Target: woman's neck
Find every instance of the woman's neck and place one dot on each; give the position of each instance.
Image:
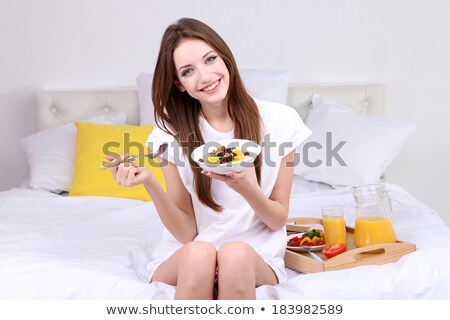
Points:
(218, 118)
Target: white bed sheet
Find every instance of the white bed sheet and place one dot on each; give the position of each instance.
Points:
(300, 186)
(55, 247)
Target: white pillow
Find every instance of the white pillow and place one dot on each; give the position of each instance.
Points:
(271, 85)
(51, 154)
(358, 149)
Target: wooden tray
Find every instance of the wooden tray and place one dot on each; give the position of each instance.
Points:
(376, 254)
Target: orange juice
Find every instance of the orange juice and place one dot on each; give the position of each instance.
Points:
(334, 230)
(372, 230)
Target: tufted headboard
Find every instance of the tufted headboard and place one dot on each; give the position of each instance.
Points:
(365, 99)
(59, 107)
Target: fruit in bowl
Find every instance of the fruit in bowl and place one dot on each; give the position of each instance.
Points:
(223, 155)
(226, 155)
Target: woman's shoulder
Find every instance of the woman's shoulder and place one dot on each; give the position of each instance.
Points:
(159, 134)
(282, 122)
(157, 137)
(273, 111)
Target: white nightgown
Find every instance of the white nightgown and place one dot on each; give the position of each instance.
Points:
(283, 132)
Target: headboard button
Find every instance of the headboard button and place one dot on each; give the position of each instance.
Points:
(53, 110)
(106, 109)
(365, 104)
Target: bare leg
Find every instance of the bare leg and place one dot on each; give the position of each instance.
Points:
(241, 270)
(192, 269)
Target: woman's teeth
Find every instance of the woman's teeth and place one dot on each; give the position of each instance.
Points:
(211, 87)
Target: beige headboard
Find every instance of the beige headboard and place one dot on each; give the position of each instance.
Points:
(365, 99)
(59, 107)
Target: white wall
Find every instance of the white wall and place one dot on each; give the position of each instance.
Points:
(107, 43)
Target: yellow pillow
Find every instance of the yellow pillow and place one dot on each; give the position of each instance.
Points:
(94, 141)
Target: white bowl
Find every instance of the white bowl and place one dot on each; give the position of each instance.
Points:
(202, 152)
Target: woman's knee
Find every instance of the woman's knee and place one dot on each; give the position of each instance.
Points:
(195, 260)
(236, 258)
(198, 255)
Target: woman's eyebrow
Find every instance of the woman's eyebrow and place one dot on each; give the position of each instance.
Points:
(188, 65)
(207, 54)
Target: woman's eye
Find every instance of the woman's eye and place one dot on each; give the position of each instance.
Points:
(211, 58)
(186, 72)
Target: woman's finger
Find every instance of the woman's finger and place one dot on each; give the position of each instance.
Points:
(123, 173)
(114, 161)
(216, 176)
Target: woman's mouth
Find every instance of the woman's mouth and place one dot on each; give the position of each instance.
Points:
(212, 87)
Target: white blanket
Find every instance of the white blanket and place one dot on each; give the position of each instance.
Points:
(55, 247)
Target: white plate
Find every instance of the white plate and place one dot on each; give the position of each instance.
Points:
(244, 145)
(302, 249)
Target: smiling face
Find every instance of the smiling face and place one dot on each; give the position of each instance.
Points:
(201, 72)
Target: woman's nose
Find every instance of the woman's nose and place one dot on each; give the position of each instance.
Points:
(204, 74)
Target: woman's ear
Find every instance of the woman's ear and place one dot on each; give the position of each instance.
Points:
(179, 86)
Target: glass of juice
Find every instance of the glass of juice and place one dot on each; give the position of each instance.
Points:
(334, 224)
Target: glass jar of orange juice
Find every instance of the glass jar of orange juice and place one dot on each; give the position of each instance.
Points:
(373, 216)
(334, 224)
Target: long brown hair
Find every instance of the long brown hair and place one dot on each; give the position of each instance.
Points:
(177, 112)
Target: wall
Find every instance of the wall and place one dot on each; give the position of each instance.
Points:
(106, 43)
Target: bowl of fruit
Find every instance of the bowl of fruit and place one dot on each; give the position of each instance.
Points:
(226, 155)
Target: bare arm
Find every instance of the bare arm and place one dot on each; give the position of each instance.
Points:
(273, 211)
(174, 207)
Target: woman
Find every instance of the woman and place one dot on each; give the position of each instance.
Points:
(228, 230)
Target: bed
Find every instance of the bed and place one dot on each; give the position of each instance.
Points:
(96, 246)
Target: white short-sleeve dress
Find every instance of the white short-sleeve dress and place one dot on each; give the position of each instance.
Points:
(283, 132)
